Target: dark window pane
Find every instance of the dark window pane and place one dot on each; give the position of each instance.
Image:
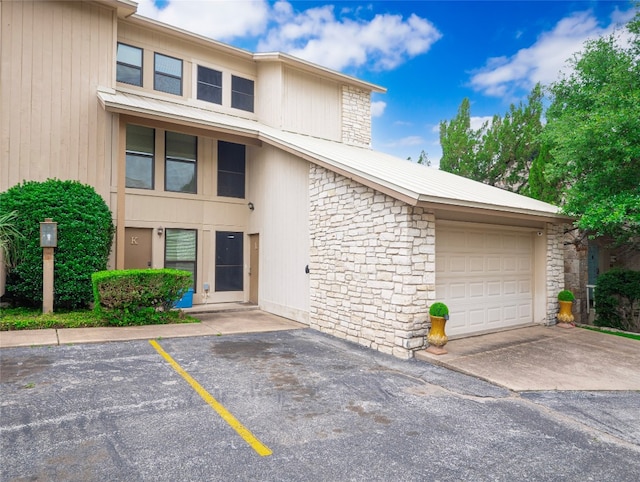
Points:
(168, 74)
(231, 169)
(242, 93)
(129, 75)
(210, 93)
(230, 184)
(242, 101)
(238, 84)
(229, 261)
(209, 76)
(170, 85)
(209, 85)
(229, 278)
(129, 64)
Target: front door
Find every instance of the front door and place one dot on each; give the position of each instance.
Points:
(137, 250)
(229, 261)
(254, 267)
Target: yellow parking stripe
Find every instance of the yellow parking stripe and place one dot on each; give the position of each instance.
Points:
(248, 437)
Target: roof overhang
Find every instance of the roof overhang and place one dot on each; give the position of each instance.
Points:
(403, 180)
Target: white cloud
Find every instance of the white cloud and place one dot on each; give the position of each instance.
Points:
(349, 40)
(477, 122)
(546, 58)
(220, 20)
(377, 108)
(317, 35)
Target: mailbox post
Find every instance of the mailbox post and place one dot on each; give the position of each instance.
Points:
(48, 241)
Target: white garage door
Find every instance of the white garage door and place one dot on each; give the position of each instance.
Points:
(485, 275)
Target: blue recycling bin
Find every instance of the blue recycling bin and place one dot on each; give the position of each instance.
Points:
(186, 301)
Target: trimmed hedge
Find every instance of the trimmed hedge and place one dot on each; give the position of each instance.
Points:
(617, 297)
(85, 233)
(138, 296)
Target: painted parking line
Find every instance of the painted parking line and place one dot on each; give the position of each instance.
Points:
(248, 437)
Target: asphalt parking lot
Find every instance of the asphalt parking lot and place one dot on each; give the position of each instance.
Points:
(293, 405)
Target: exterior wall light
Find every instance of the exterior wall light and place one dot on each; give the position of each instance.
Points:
(251, 206)
(160, 231)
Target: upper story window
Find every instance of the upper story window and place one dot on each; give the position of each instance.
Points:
(180, 163)
(129, 64)
(231, 169)
(167, 74)
(209, 85)
(139, 157)
(242, 93)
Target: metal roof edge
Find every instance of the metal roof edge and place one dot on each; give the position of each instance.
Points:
(307, 66)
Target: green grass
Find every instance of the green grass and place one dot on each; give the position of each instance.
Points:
(33, 319)
(624, 334)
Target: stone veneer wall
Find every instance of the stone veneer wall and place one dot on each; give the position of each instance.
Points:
(555, 269)
(356, 116)
(576, 275)
(372, 265)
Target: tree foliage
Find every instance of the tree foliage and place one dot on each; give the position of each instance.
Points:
(593, 131)
(85, 232)
(501, 152)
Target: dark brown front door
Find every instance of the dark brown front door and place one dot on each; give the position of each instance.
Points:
(137, 249)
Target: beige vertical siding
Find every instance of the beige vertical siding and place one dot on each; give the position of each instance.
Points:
(279, 189)
(54, 56)
(311, 105)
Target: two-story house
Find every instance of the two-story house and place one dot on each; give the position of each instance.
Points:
(254, 172)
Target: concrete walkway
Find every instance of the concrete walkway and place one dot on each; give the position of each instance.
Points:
(222, 319)
(546, 358)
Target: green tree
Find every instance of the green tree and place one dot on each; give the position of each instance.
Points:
(423, 158)
(501, 152)
(85, 232)
(593, 129)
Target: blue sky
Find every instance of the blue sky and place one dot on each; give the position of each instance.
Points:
(428, 54)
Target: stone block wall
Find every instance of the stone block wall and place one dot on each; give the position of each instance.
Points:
(356, 116)
(555, 269)
(372, 265)
(576, 274)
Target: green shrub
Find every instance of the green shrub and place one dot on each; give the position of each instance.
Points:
(566, 295)
(138, 296)
(617, 298)
(439, 309)
(85, 233)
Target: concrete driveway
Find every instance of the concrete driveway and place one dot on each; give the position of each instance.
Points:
(546, 358)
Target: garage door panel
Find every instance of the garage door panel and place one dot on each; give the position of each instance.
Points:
(487, 280)
(476, 290)
(494, 264)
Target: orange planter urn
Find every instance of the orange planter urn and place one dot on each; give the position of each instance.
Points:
(565, 315)
(437, 338)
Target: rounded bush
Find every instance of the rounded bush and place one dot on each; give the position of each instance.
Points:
(439, 309)
(566, 295)
(85, 233)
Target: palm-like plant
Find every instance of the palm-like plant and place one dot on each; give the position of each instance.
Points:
(8, 237)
